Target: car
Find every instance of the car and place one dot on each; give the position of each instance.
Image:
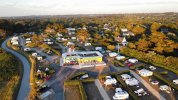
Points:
(155, 82)
(130, 64)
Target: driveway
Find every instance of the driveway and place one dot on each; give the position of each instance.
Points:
(25, 85)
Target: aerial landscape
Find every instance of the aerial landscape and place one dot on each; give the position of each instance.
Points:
(89, 50)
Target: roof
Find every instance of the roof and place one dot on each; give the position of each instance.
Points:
(145, 71)
(131, 81)
(82, 54)
(125, 76)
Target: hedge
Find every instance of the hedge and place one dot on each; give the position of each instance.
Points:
(169, 63)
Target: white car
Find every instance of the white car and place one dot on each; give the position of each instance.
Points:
(110, 81)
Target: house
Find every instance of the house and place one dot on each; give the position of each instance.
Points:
(49, 42)
(71, 31)
(28, 39)
(99, 48)
(119, 57)
(73, 38)
(87, 44)
(110, 81)
(27, 49)
(164, 87)
(120, 94)
(14, 40)
(27, 42)
(132, 82)
(124, 30)
(70, 43)
(125, 76)
(58, 38)
(140, 92)
(81, 58)
(124, 42)
(34, 54)
(133, 60)
(112, 54)
(39, 57)
(175, 81)
(59, 35)
(63, 39)
(15, 43)
(145, 72)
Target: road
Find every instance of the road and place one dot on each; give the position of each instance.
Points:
(101, 90)
(25, 85)
(152, 90)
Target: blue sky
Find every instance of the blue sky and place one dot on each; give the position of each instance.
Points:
(62, 7)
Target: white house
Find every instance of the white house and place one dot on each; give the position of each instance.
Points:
(145, 72)
(140, 92)
(175, 81)
(110, 81)
(28, 41)
(119, 57)
(132, 82)
(133, 60)
(125, 76)
(112, 54)
(34, 54)
(39, 57)
(59, 35)
(73, 38)
(15, 43)
(70, 43)
(87, 44)
(98, 48)
(120, 94)
(27, 49)
(124, 42)
(164, 87)
(124, 30)
(49, 42)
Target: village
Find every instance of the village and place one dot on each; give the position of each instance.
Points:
(69, 69)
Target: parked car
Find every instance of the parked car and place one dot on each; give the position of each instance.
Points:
(152, 68)
(130, 64)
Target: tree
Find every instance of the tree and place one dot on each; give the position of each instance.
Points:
(111, 47)
(155, 26)
(138, 30)
(82, 35)
(143, 44)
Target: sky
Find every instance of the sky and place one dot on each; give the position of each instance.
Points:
(67, 7)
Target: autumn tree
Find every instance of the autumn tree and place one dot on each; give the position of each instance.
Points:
(82, 35)
(155, 26)
(138, 30)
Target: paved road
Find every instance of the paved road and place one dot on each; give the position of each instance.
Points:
(152, 90)
(101, 90)
(25, 86)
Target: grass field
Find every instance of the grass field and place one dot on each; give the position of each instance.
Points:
(72, 93)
